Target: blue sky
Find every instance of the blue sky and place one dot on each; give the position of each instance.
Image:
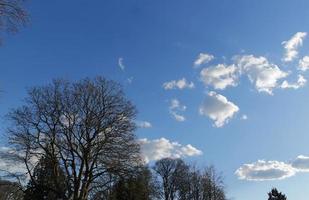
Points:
(196, 111)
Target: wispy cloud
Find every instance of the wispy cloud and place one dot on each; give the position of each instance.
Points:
(218, 108)
(157, 149)
(174, 109)
(244, 117)
(203, 58)
(301, 81)
(178, 84)
(121, 64)
(143, 124)
(291, 46)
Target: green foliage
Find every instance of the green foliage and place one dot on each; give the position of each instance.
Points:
(48, 181)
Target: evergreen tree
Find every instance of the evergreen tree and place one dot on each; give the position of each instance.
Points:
(274, 194)
(47, 182)
(140, 186)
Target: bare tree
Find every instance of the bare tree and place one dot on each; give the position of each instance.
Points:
(172, 173)
(12, 15)
(87, 125)
(212, 185)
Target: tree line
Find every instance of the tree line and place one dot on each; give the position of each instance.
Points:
(77, 141)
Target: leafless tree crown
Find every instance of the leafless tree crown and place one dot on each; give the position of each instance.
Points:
(87, 125)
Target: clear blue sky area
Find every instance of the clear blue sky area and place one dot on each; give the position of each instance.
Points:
(145, 43)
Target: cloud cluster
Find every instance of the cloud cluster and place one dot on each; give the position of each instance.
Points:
(303, 63)
(157, 149)
(219, 76)
(272, 170)
(263, 74)
(203, 58)
(175, 108)
(301, 81)
(178, 84)
(291, 46)
(218, 108)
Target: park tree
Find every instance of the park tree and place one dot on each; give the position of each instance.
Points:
(10, 190)
(212, 184)
(185, 182)
(172, 173)
(274, 194)
(141, 185)
(48, 181)
(87, 125)
(12, 15)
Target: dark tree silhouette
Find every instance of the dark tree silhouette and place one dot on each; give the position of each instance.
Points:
(274, 194)
(171, 171)
(12, 15)
(141, 186)
(87, 125)
(184, 182)
(10, 190)
(48, 181)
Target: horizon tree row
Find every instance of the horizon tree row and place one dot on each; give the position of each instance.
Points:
(77, 141)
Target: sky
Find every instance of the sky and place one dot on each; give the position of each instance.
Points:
(217, 82)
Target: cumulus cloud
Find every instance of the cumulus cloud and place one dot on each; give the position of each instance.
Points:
(301, 163)
(157, 149)
(143, 124)
(301, 81)
(303, 63)
(273, 170)
(121, 64)
(219, 76)
(265, 170)
(178, 84)
(291, 46)
(203, 58)
(176, 107)
(218, 108)
(261, 72)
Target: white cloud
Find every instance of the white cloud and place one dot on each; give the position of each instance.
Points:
(120, 64)
(144, 124)
(178, 84)
(157, 149)
(301, 163)
(244, 117)
(265, 170)
(263, 74)
(291, 46)
(301, 81)
(176, 107)
(178, 117)
(219, 76)
(218, 108)
(303, 64)
(203, 58)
